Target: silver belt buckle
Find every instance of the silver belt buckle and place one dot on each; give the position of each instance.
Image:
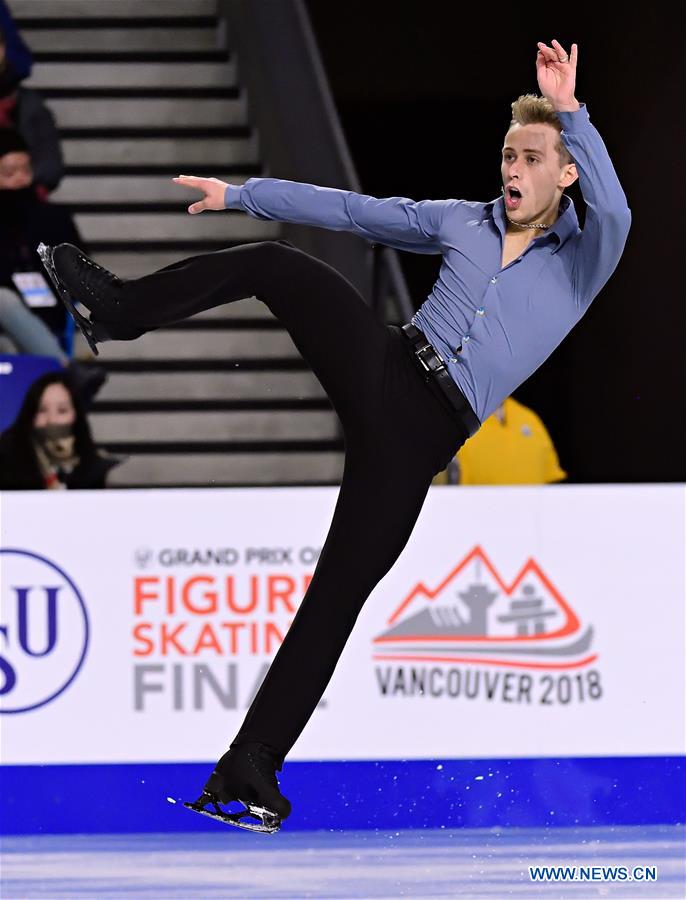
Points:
(427, 364)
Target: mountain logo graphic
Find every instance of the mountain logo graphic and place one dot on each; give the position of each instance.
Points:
(473, 616)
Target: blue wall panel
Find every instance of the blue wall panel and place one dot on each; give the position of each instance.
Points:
(361, 794)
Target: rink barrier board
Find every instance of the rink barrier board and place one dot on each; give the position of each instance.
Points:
(147, 638)
(341, 795)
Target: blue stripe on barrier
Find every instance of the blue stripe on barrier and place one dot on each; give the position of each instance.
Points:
(387, 794)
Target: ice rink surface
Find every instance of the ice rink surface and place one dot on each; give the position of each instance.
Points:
(360, 864)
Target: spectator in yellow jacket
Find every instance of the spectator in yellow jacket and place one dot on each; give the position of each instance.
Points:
(511, 447)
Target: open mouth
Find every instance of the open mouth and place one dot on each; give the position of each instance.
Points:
(513, 197)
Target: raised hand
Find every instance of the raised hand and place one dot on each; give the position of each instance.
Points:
(556, 73)
(212, 188)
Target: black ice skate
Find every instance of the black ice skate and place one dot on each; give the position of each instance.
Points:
(246, 773)
(77, 279)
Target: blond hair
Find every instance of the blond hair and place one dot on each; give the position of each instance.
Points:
(530, 109)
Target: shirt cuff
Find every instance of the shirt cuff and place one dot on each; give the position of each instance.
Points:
(578, 120)
(232, 196)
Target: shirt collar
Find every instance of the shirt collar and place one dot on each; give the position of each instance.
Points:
(567, 222)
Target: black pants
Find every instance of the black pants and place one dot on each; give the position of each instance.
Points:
(399, 431)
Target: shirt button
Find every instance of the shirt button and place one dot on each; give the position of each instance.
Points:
(466, 337)
(480, 311)
(493, 280)
(453, 359)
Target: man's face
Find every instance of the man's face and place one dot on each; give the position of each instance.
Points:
(531, 163)
(15, 171)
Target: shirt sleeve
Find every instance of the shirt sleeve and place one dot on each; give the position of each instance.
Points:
(395, 221)
(608, 217)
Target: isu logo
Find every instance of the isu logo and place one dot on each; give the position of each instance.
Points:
(43, 631)
(474, 617)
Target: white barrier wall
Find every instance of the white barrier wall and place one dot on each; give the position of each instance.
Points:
(523, 621)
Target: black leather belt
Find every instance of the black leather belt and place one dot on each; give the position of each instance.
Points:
(433, 365)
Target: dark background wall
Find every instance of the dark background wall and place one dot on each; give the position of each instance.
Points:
(424, 92)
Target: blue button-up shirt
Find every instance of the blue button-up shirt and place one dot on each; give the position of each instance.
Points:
(493, 326)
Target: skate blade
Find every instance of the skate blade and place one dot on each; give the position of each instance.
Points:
(269, 822)
(85, 325)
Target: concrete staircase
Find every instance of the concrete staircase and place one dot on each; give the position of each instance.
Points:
(143, 90)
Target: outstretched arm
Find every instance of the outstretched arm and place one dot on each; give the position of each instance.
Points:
(608, 217)
(396, 221)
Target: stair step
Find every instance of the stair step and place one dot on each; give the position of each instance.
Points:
(139, 133)
(214, 426)
(149, 113)
(30, 23)
(132, 74)
(142, 57)
(177, 152)
(288, 364)
(211, 385)
(122, 39)
(216, 225)
(181, 345)
(160, 171)
(112, 407)
(122, 189)
(116, 9)
(183, 447)
(196, 469)
(140, 93)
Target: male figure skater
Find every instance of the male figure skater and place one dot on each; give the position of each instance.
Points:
(517, 275)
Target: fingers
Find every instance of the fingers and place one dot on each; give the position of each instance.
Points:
(191, 181)
(549, 55)
(212, 188)
(557, 53)
(560, 51)
(198, 184)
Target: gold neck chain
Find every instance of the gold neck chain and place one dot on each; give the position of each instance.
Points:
(519, 224)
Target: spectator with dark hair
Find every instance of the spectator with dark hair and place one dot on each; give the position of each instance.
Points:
(23, 109)
(25, 221)
(50, 445)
